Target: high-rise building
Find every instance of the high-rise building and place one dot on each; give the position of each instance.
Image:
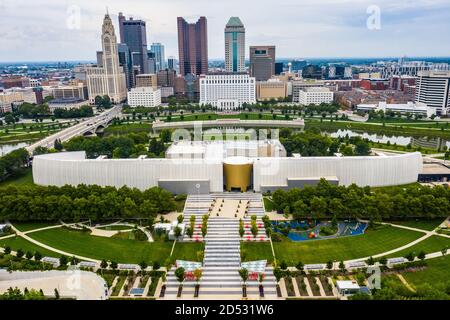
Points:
(227, 91)
(135, 37)
(235, 45)
(151, 62)
(193, 46)
(109, 78)
(279, 68)
(312, 71)
(146, 80)
(172, 63)
(298, 65)
(166, 78)
(433, 89)
(262, 62)
(126, 62)
(160, 58)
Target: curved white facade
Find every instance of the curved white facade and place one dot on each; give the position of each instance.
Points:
(203, 175)
(363, 171)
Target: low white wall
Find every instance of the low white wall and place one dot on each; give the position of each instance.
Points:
(72, 168)
(364, 171)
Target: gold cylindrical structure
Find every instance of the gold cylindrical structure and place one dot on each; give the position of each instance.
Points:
(237, 173)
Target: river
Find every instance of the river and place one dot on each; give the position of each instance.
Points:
(424, 142)
(6, 148)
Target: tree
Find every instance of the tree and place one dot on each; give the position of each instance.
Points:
(198, 273)
(243, 272)
(342, 266)
(421, 255)
(37, 256)
(29, 255)
(104, 264)
(113, 265)
(300, 266)
(143, 265)
(177, 232)
(370, 261)
(383, 261)
(278, 274)
(189, 232)
(19, 253)
(63, 260)
(283, 265)
(180, 274)
(7, 250)
(58, 145)
(156, 265)
(410, 256)
(330, 265)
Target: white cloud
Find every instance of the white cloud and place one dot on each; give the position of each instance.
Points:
(38, 30)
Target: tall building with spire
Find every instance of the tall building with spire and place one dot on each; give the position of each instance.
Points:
(193, 46)
(235, 45)
(108, 78)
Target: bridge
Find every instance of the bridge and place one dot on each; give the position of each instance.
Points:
(87, 127)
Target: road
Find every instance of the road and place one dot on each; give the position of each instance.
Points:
(90, 124)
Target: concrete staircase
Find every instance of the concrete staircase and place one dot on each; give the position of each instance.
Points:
(222, 258)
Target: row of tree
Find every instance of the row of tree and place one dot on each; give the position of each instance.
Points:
(315, 144)
(12, 163)
(82, 112)
(327, 201)
(25, 203)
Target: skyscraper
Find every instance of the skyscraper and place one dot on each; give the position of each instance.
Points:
(262, 62)
(172, 63)
(235, 45)
(433, 89)
(193, 46)
(160, 58)
(135, 37)
(109, 78)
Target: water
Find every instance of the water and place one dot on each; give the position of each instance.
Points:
(423, 142)
(6, 148)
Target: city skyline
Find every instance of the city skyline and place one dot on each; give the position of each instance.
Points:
(337, 29)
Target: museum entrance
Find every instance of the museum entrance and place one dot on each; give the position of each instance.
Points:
(238, 174)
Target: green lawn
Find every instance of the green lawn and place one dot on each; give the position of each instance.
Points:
(119, 250)
(429, 245)
(28, 226)
(383, 239)
(252, 251)
(420, 224)
(436, 273)
(268, 204)
(188, 251)
(123, 129)
(23, 178)
(16, 243)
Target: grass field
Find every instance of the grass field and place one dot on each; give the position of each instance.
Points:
(28, 226)
(268, 204)
(252, 251)
(430, 245)
(119, 250)
(16, 243)
(383, 239)
(436, 273)
(420, 224)
(188, 251)
(24, 178)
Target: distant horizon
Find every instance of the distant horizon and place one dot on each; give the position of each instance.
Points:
(381, 58)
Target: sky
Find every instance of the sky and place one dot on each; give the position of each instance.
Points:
(68, 30)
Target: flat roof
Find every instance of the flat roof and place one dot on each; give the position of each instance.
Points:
(435, 168)
(347, 284)
(237, 160)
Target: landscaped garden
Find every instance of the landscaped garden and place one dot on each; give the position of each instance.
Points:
(113, 249)
(429, 245)
(383, 239)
